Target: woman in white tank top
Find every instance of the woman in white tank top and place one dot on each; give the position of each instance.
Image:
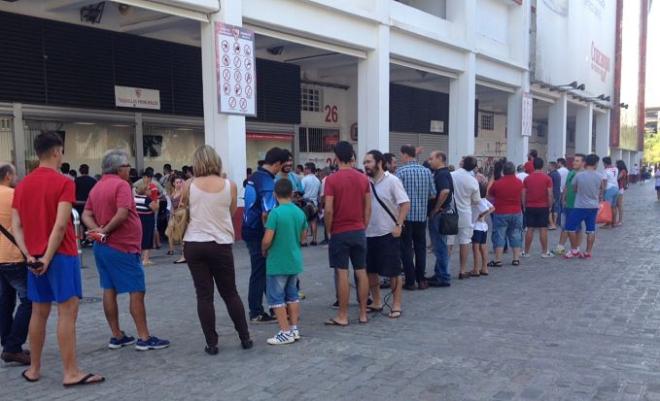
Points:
(208, 245)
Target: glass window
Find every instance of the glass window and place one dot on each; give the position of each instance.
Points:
(311, 99)
(173, 145)
(317, 139)
(487, 121)
(7, 139)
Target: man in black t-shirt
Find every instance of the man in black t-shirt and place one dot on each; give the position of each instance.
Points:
(445, 189)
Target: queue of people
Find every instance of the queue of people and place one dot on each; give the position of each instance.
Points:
(376, 219)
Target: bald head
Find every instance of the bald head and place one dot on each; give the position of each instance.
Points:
(437, 160)
(7, 174)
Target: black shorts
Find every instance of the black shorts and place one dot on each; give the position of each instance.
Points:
(479, 237)
(349, 245)
(384, 255)
(311, 211)
(537, 217)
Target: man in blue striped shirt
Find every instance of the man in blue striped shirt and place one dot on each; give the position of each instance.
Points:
(418, 182)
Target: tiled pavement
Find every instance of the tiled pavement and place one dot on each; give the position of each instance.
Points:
(548, 330)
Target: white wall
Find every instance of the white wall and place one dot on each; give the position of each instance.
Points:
(491, 143)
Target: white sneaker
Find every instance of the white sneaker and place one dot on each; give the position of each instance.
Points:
(547, 255)
(559, 250)
(296, 334)
(282, 338)
(525, 255)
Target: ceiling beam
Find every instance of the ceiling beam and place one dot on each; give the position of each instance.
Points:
(150, 26)
(59, 5)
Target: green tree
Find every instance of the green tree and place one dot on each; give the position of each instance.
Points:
(652, 148)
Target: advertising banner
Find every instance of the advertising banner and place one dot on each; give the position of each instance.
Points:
(527, 113)
(235, 68)
(575, 41)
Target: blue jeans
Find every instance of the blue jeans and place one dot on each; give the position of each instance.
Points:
(14, 327)
(281, 290)
(507, 227)
(257, 287)
(440, 251)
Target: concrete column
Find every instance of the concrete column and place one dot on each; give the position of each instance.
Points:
(603, 134)
(616, 154)
(139, 143)
(226, 133)
(461, 112)
(374, 97)
(517, 145)
(557, 115)
(583, 125)
(18, 133)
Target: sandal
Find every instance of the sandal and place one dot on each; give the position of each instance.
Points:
(29, 380)
(85, 380)
(515, 263)
(394, 314)
(483, 273)
(493, 263)
(475, 274)
(462, 276)
(374, 309)
(333, 322)
(170, 253)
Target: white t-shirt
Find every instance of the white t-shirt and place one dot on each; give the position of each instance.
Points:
(563, 173)
(390, 190)
(311, 188)
(483, 206)
(466, 194)
(657, 178)
(612, 173)
(522, 176)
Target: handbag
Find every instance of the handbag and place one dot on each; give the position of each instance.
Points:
(604, 215)
(10, 237)
(449, 220)
(178, 224)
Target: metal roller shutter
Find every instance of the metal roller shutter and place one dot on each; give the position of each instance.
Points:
(429, 142)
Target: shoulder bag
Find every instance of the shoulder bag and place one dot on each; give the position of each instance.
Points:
(449, 219)
(178, 224)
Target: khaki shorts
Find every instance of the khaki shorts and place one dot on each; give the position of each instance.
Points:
(463, 237)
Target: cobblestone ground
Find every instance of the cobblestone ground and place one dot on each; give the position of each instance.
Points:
(548, 330)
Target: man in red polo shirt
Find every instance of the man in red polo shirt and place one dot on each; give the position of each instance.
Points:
(537, 199)
(529, 166)
(507, 218)
(43, 229)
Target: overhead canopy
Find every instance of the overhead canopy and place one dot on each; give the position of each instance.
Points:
(193, 9)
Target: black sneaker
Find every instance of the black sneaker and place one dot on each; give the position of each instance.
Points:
(313, 243)
(263, 318)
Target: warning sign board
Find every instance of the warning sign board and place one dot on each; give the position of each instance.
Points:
(235, 68)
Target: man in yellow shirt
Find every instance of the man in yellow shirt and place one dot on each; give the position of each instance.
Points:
(13, 280)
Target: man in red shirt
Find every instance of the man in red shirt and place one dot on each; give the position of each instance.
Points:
(44, 232)
(507, 218)
(110, 212)
(347, 213)
(537, 200)
(529, 166)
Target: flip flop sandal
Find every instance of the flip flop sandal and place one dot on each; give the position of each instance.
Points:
(493, 263)
(484, 273)
(85, 381)
(462, 276)
(515, 263)
(475, 274)
(374, 309)
(363, 321)
(333, 322)
(27, 378)
(394, 314)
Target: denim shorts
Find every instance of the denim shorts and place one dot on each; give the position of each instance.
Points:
(119, 271)
(61, 282)
(348, 245)
(611, 195)
(507, 227)
(282, 290)
(577, 216)
(479, 237)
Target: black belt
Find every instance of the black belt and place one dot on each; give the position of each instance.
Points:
(11, 264)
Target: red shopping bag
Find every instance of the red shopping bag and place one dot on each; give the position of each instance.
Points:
(604, 213)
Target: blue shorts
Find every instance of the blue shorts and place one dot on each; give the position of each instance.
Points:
(118, 270)
(611, 194)
(282, 290)
(61, 282)
(479, 237)
(507, 227)
(577, 216)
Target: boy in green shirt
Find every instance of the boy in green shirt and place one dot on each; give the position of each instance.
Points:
(568, 202)
(285, 230)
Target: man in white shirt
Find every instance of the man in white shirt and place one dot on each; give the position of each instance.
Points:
(311, 190)
(466, 195)
(521, 174)
(389, 207)
(563, 172)
(611, 176)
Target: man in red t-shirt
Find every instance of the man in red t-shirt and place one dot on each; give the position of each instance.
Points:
(347, 213)
(110, 211)
(537, 200)
(529, 166)
(44, 232)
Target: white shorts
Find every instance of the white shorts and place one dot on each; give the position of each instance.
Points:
(463, 237)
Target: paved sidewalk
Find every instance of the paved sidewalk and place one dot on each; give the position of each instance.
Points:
(547, 330)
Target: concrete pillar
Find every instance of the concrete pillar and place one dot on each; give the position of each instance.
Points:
(226, 133)
(461, 112)
(557, 116)
(139, 143)
(18, 132)
(517, 145)
(374, 97)
(583, 125)
(603, 134)
(616, 154)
